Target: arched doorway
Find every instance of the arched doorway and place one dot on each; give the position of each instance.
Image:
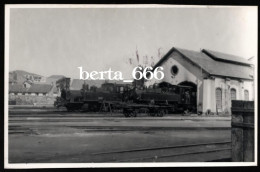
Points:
(246, 95)
(233, 93)
(219, 99)
(193, 98)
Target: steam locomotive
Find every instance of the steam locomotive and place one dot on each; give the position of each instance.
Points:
(162, 98)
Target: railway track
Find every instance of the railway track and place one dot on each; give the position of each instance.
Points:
(109, 139)
(105, 122)
(199, 152)
(16, 129)
(66, 115)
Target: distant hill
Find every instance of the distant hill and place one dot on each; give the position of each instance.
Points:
(56, 76)
(22, 72)
(20, 75)
(53, 78)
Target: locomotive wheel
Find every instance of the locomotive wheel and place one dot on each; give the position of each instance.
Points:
(126, 114)
(151, 114)
(134, 113)
(131, 114)
(69, 109)
(161, 113)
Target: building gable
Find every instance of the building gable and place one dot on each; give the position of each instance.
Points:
(175, 72)
(211, 66)
(40, 88)
(178, 69)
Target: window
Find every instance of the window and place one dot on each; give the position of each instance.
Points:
(219, 98)
(246, 95)
(121, 89)
(233, 93)
(174, 70)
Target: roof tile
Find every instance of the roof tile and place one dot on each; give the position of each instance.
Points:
(213, 67)
(17, 88)
(218, 67)
(40, 88)
(226, 57)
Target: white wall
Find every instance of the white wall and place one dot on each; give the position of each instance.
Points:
(238, 86)
(27, 85)
(206, 92)
(227, 85)
(209, 94)
(183, 74)
(249, 85)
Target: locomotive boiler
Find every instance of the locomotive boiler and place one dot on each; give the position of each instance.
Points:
(170, 98)
(178, 97)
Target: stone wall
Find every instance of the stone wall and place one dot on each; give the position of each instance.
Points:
(31, 100)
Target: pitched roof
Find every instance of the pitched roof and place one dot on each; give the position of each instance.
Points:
(57, 76)
(51, 81)
(212, 66)
(226, 57)
(20, 75)
(22, 72)
(77, 83)
(53, 78)
(55, 90)
(119, 82)
(17, 88)
(40, 88)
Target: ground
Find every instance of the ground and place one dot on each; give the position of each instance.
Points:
(75, 138)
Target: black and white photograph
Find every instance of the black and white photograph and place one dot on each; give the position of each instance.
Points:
(130, 85)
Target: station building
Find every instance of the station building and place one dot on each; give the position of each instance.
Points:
(216, 78)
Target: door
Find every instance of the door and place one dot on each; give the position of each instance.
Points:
(233, 94)
(246, 95)
(219, 99)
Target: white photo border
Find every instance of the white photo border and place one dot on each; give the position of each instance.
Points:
(106, 165)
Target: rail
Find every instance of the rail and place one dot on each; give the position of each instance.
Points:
(215, 151)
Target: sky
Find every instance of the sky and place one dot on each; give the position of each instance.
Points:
(50, 41)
